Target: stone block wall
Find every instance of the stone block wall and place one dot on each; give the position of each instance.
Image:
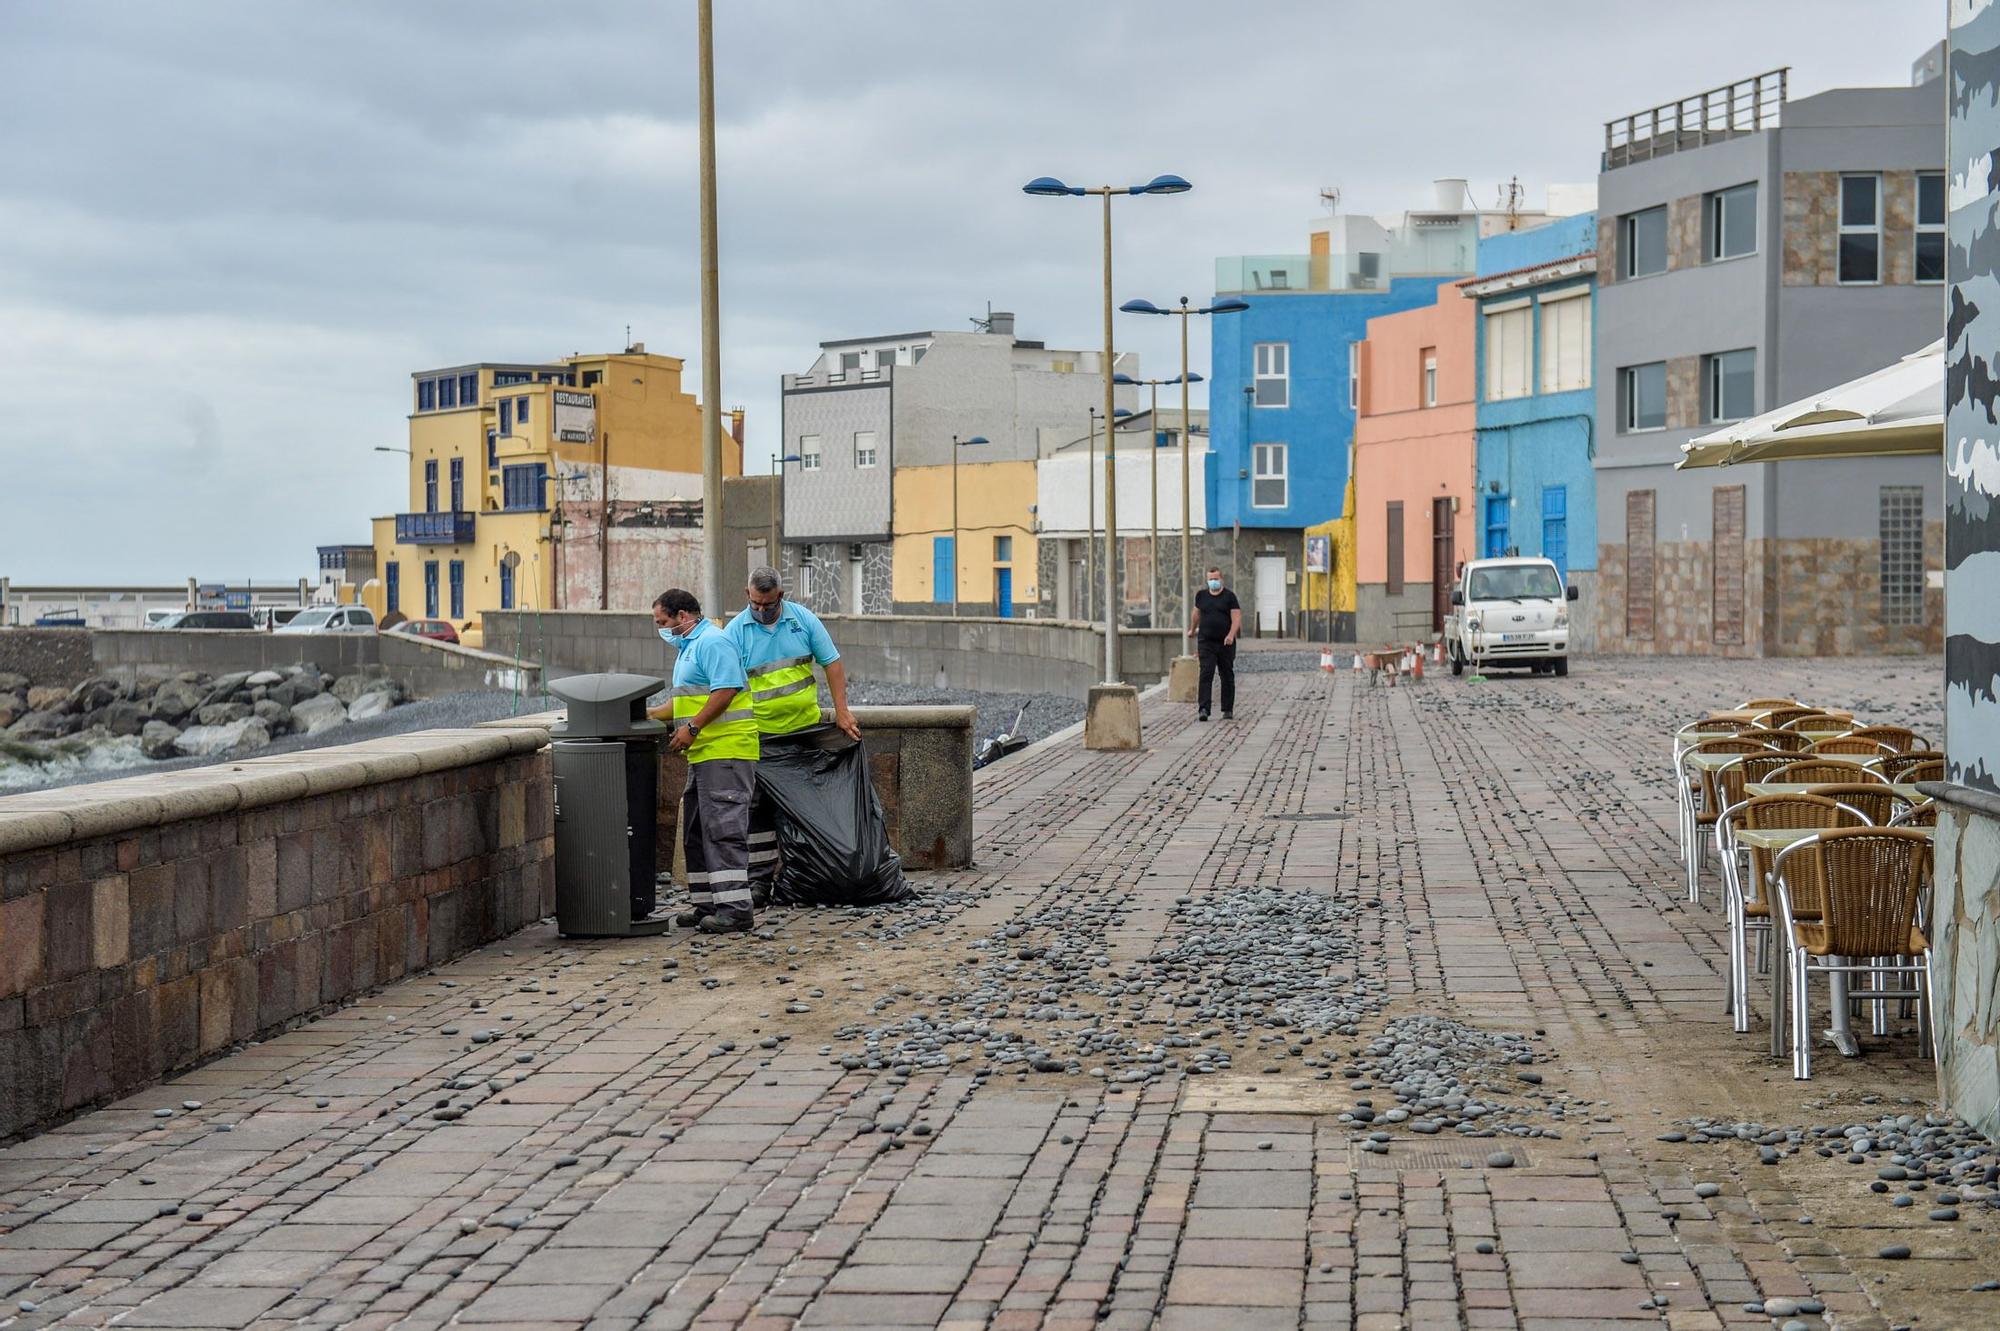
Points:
(1812, 228)
(1801, 597)
(149, 923)
(46, 656)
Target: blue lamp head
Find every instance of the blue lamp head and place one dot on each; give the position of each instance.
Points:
(1141, 307)
(1119, 413)
(1048, 187)
(790, 457)
(1228, 305)
(1192, 377)
(1123, 378)
(1163, 185)
(976, 439)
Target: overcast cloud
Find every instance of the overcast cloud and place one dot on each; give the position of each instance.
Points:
(230, 230)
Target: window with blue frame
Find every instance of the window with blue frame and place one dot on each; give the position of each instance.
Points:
(492, 450)
(458, 485)
(393, 588)
(1496, 526)
(430, 589)
(520, 411)
(1555, 526)
(508, 378)
(506, 585)
(468, 389)
(458, 589)
(426, 395)
(524, 488)
(431, 486)
(447, 392)
(506, 415)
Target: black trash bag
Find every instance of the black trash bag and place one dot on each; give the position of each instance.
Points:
(833, 842)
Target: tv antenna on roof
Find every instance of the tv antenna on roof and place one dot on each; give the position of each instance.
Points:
(1329, 197)
(983, 325)
(1511, 195)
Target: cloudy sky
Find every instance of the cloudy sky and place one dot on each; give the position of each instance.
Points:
(230, 229)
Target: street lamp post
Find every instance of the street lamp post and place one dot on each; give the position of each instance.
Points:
(1226, 305)
(1049, 187)
(1153, 547)
(711, 323)
(956, 444)
(1090, 503)
(777, 505)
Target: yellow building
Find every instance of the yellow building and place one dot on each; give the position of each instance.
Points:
(507, 460)
(993, 555)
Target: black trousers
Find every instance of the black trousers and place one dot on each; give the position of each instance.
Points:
(1217, 658)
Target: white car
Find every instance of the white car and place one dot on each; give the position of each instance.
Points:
(331, 619)
(1509, 612)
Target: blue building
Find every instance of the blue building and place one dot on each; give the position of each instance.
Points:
(1537, 294)
(1282, 386)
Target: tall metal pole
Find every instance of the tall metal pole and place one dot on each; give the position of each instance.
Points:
(1153, 542)
(1187, 441)
(1090, 517)
(777, 487)
(711, 332)
(954, 526)
(1112, 656)
(604, 524)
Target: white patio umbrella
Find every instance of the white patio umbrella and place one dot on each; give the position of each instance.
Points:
(1896, 411)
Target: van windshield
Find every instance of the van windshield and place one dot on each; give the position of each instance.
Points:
(307, 619)
(1528, 582)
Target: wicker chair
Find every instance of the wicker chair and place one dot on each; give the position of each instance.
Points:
(1896, 764)
(1824, 771)
(1852, 746)
(1789, 741)
(1700, 804)
(1872, 881)
(1760, 767)
(1899, 738)
(1919, 815)
(1930, 769)
(1766, 704)
(1784, 718)
(1746, 874)
(1872, 799)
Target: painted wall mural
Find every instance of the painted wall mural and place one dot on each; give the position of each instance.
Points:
(1972, 399)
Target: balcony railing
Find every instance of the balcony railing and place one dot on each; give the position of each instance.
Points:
(1746, 106)
(835, 378)
(447, 528)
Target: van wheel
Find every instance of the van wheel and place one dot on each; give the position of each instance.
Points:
(1562, 666)
(1457, 661)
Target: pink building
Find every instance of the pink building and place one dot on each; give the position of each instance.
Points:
(1415, 456)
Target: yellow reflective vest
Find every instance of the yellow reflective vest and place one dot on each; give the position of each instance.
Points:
(707, 660)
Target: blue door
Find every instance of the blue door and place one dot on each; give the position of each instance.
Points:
(393, 605)
(944, 567)
(506, 585)
(1555, 526)
(430, 589)
(1003, 592)
(1496, 526)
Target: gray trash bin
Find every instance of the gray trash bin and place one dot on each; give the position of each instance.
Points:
(607, 779)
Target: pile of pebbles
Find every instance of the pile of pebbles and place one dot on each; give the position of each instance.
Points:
(1259, 962)
(1913, 1154)
(1445, 1074)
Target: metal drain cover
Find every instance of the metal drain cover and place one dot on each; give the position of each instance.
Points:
(1410, 1155)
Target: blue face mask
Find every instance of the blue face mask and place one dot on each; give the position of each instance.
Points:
(672, 638)
(1215, 584)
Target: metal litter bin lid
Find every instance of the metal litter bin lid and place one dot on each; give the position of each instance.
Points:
(606, 706)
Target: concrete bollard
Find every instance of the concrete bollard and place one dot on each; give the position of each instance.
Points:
(1183, 679)
(1111, 717)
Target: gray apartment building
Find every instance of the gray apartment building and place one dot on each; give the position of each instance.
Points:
(872, 405)
(1752, 250)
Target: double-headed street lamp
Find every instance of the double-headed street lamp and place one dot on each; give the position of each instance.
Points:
(777, 503)
(1050, 187)
(956, 444)
(1226, 305)
(1153, 424)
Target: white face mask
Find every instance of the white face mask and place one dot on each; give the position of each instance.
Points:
(1215, 584)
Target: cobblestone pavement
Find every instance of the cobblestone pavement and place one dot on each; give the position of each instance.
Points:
(671, 1133)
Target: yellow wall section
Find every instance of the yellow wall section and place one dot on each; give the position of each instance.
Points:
(994, 499)
(1313, 591)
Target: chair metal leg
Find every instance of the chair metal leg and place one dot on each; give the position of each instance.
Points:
(1801, 1018)
(1926, 1031)
(1763, 951)
(1878, 1014)
(1781, 962)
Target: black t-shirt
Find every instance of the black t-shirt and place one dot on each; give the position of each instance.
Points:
(1212, 613)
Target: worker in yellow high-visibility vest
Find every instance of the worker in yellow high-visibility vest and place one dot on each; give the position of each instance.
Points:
(714, 726)
(781, 641)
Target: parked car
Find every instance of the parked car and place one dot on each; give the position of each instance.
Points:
(157, 618)
(1509, 612)
(332, 619)
(438, 630)
(210, 619)
(274, 617)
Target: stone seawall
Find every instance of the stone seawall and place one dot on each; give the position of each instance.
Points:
(149, 923)
(46, 656)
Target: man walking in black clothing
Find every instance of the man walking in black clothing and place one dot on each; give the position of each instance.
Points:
(1217, 619)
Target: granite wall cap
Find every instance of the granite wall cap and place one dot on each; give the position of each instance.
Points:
(914, 718)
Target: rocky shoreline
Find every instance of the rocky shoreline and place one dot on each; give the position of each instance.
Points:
(180, 715)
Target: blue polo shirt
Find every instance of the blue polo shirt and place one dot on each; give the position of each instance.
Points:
(798, 632)
(709, 660)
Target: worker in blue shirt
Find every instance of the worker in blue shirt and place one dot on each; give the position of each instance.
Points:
(780, 642)
(715, 727)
